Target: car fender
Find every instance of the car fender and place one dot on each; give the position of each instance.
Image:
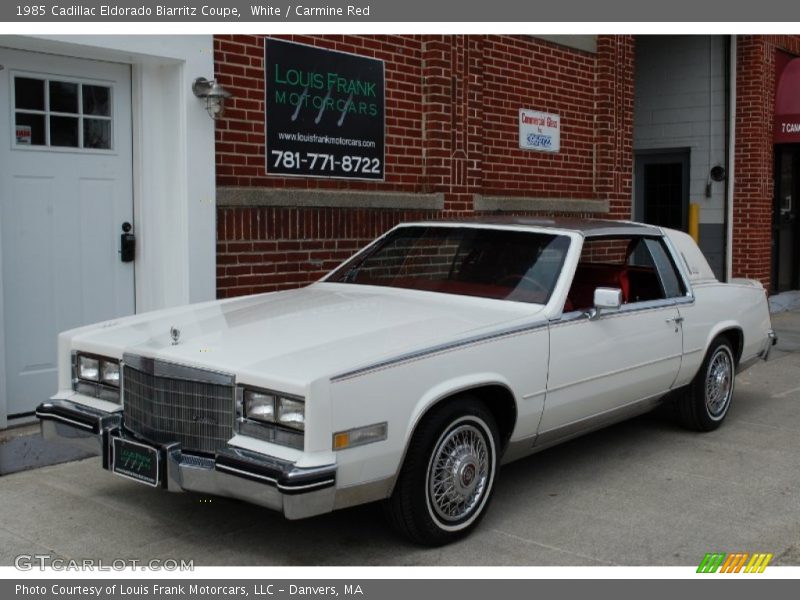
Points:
(443, 391)
(714, 332)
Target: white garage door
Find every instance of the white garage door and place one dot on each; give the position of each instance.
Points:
(65, 193)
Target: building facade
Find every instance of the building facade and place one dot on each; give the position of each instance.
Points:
(105, 138)
(648, 126)
(451, 147)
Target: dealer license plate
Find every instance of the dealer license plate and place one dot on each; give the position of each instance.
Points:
(135, 461)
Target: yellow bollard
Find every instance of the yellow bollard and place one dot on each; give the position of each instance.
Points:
(694, 221)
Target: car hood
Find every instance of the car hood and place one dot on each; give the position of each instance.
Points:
(294, 337)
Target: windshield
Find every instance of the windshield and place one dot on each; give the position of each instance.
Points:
(488, 263)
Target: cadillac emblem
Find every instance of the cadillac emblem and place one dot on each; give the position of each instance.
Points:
(175, 334)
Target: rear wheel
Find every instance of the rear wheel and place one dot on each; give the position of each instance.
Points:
(708, 398)
(448, 476)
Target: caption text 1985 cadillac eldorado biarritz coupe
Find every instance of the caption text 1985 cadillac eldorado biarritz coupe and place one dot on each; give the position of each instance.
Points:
(411, 372)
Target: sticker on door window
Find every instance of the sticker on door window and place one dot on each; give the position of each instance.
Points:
(62, 114)
(23, 135)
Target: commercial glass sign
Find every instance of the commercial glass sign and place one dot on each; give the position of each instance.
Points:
(324, 112)
(539, 131)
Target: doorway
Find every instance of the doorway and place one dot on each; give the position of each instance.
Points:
(661, 194)
(785, 221)
(65, 192)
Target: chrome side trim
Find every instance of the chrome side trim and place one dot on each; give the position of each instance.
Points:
(625, 309)
(362, 493)
(519, 449)
(617, 372)
(439, 349)
(597, 421)
(160, 368)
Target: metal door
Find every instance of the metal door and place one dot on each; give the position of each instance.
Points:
(662, 188)
(785, 224)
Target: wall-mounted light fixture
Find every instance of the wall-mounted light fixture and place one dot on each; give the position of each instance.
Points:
(214, 94)
(717, 173)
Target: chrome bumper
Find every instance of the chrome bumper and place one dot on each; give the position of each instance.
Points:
(232, 472)
(772, 339)
(763, 353)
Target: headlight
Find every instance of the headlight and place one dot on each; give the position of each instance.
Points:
(259, 406)
(96, 376)
(109, 372)
(274, 408)
(291, 413)
(88, 368)
(271, 416)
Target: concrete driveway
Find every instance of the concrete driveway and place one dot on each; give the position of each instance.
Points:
(644, 492)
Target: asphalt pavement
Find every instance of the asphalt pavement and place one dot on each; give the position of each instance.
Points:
(644, 492)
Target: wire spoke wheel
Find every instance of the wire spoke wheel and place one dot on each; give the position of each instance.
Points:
(449, 472)
(707, 399)
(458, 473)
(719, 382)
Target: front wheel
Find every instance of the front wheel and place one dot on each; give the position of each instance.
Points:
(708, 398)
(448, 476)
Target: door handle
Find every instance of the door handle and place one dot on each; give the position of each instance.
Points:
(676, 320)
(127, 243)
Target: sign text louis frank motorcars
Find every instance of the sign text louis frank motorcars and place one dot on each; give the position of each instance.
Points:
(324, 112)
(539, 131)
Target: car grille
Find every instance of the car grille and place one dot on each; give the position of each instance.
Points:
(190, 409)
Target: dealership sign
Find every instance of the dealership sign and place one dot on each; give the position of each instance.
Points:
(324, 112)
(539, 131)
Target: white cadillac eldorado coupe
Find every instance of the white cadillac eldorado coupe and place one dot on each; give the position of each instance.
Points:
(411, 372)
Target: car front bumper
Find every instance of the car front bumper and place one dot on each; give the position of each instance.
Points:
(232, 472)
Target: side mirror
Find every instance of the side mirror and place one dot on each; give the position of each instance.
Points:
(605, 299)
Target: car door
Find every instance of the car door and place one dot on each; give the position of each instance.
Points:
(610, 365)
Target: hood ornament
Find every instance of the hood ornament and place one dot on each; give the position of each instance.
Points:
(175, 334)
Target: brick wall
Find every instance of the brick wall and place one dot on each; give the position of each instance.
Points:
(269, 248)
(451, 130)
(754, 159)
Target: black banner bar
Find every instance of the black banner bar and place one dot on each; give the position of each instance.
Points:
(361, 11)
(730, 588)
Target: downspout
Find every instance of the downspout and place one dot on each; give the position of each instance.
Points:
(731, 162)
